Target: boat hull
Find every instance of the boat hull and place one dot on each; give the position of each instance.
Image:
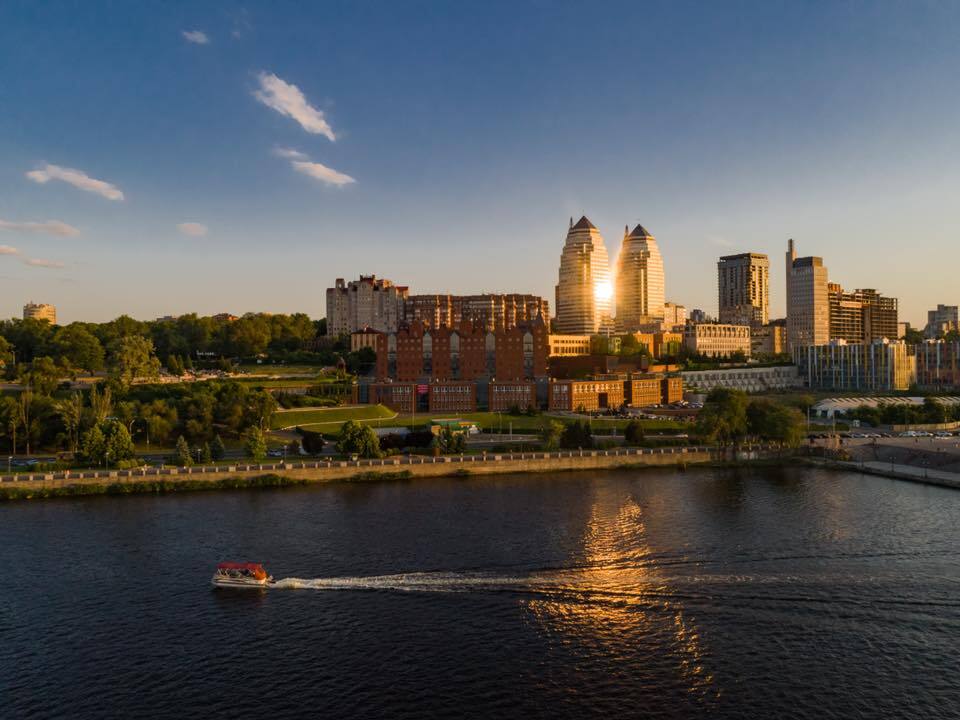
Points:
(240, 583)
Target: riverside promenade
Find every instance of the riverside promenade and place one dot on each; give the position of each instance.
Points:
(414, 465)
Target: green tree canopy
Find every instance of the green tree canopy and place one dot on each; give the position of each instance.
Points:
(357, 439)
(131, 358)
(550, 434)
(723, 418)
(181, 453)
(254, 443)
(79, 347)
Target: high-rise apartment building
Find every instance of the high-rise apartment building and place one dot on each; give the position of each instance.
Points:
(674, 315)
(367, 302)
(640, 281)
(879, 366)
(584, 291)
(808, 306)
(743, 283)
(942, 320)
(40, 311)
(861, 316)
(492, 311)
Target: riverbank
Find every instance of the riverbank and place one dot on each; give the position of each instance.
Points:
(162, 480)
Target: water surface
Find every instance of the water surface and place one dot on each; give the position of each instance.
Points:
(762, 593)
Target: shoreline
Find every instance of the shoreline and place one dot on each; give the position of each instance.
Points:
(161, 481)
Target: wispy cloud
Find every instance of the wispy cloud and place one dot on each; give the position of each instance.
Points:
(7, 250)
(198, 37)
(192, 229)
(720, 241)
(78, 179)
(322, 173)
(287, 99)
(47, 227)
(38, 262)
(289, 153)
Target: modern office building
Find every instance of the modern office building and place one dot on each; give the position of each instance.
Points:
(808, 306)
(938, 364)
(717, 340)
(861, 316)
(743, 284)
(40, 311)
(748, 379)
(584, 291)
(365, 303)
(640, 281)
(492, 311)
(880, 366)
(944, 319)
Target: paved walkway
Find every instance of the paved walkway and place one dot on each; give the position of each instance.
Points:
(908, 472)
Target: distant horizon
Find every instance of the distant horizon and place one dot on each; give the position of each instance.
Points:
(227, 158)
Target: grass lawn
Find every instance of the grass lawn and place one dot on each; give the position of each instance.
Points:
(487, 421)
(334, 416)
(282, 369)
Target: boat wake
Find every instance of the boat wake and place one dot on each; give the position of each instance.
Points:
(408, 582)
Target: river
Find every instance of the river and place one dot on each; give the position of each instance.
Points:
(722, 593)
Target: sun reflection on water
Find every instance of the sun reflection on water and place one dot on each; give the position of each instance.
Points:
(615, 601)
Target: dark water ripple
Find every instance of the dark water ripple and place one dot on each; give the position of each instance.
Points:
(703, 594)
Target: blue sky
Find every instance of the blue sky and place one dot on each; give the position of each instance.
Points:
(463, 138)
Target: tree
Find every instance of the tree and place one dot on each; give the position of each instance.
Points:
(117, 441)
(206, 454)
(577, 435)
(723, 418)
(772, 421)
(71, 414)
(101, 403)
(9, 420)
(934, 411)
(132, 357)
(175, 365)
(218, 450)
(356, 439)
(550, 434)
(79, 346)
(42, 377)
(633, 434)
(182, 453)
(6, 354)
(24, 406)
(254, 443)
(913, 336)
(93, 446)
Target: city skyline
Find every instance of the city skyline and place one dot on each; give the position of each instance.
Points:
(262, 145)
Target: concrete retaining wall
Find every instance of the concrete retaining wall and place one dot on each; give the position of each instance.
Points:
(324, 470)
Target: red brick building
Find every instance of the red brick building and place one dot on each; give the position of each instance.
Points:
(399, 396)
(587, 395)
(672, 389)
(504, 395)
(453, 396)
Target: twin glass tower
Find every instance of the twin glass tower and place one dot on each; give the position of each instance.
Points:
(586, 293)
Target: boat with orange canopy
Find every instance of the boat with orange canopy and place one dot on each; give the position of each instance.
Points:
(241, 575)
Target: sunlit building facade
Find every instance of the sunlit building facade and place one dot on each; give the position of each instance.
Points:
(743, 285)
(808, 304)
(584, 291)
(640, 281)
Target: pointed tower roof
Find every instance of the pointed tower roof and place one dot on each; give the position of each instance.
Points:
(640, 231)
(584, 224)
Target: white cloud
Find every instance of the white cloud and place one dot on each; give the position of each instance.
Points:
(287, 100)
(197, 37)
(289, 153)
(322, 173)
(78, 179)
(7, 250)
(48, 227)
(37, 262)
(192, 229)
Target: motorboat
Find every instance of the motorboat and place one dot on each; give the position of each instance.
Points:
(241, 575)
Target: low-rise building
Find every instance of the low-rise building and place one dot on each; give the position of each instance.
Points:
(717, 339)
(879, 366)
(769, 339)
(585, 395)
(400, 396)
(569, 345)
(505, 395)
(643, 390)
(748, 379)
(453, 396)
